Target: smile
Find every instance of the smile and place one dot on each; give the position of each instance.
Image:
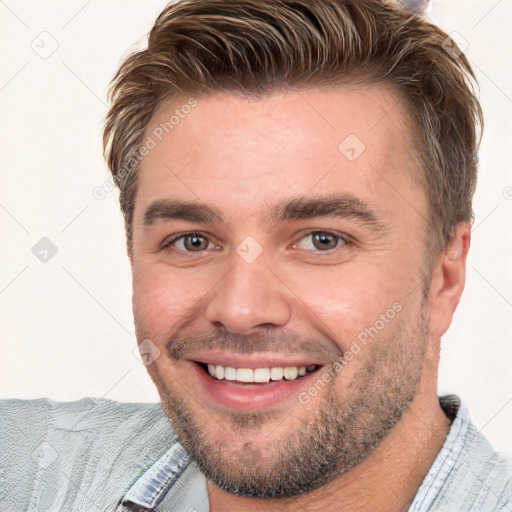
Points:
(258, 375)
(249, 385)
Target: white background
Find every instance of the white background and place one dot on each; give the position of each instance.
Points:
(66, 325)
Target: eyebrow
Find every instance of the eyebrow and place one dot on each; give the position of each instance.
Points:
(185, 210)
(344, 206)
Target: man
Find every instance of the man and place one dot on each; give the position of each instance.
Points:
(296, 180)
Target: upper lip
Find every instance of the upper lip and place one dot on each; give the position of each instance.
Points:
(255, 360)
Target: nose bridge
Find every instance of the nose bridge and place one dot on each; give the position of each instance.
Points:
(249, 295)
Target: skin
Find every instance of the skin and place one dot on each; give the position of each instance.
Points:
(241, 156)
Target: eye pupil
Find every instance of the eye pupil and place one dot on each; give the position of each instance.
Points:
(324, 241)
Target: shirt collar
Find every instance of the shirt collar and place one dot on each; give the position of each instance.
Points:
(151, 487)
(452, 452)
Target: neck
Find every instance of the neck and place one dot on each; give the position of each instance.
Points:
(387, 480)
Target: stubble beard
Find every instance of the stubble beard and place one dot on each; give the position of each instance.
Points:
(344, 428)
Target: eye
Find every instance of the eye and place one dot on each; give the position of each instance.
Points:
(321, 241)
(190, 242)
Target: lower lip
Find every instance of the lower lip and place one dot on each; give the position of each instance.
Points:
(251, 397)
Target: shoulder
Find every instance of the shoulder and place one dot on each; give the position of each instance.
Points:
(45, 406)
(474, 476)
(104, 418)
(98, 421)
(105, 444)
(487, 472)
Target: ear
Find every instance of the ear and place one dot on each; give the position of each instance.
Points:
(447, 281)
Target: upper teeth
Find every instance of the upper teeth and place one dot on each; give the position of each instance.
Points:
(258, 374)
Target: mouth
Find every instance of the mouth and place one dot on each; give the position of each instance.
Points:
(250, 386)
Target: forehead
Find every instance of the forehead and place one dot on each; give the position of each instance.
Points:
(237, 151)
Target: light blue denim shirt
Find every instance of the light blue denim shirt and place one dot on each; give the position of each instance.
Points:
(99, 455)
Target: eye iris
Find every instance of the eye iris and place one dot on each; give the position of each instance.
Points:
(195, 243)
(324, 241)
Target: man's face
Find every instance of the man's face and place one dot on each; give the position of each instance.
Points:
(281, 233)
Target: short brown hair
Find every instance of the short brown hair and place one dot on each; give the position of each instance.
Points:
(256, 47)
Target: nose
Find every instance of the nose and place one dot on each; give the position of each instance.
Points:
(250, 295)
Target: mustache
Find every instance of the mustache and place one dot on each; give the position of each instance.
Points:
(282, 342)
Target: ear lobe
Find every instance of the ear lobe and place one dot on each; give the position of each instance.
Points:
(448, 280)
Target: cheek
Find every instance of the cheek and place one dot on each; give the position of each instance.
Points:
(159, 301)
(348, 299)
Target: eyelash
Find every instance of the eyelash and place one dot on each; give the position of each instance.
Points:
(344, 240)
(169, 243)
